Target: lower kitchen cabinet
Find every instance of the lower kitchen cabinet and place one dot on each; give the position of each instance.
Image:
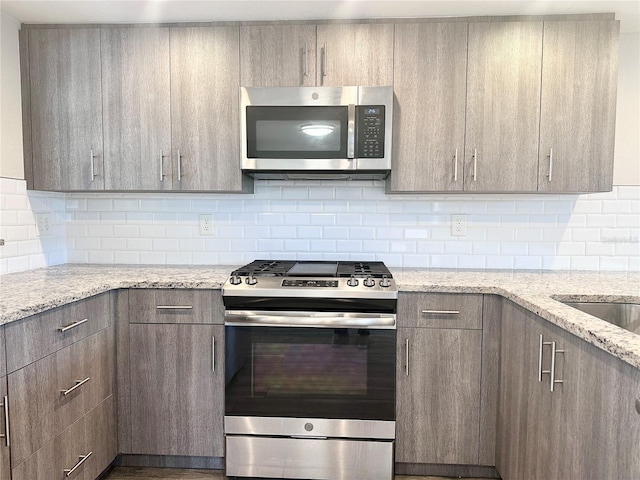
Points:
(177, 389)
(82, 452)
(57, 390)
(438, 379)
(587, 427)
(438, 396)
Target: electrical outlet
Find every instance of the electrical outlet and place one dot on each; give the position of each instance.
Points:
(43, 224)
(458, 225)
(206, 224)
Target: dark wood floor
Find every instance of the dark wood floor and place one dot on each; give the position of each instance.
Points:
(128, 473)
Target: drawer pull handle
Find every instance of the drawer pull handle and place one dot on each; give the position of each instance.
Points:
(5, 435)
(441, 312)
(406, 359)
(78, 384)
(73, 325)
(69, 471)
(174, 307)
(213, 354)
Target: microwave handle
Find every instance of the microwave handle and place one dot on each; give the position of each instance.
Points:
(351, 132)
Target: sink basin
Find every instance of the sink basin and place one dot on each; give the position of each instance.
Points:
(625, 315)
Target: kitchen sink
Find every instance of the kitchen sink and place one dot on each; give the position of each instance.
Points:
(625, 315)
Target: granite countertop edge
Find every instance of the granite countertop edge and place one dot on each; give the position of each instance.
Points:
(36, 291)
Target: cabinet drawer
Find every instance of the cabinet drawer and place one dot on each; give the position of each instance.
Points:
(94, 433)
(175, 306)
(39, 408)
(440, 310)
(36, 337)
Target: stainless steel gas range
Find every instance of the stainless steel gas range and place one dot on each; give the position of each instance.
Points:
(310, 370)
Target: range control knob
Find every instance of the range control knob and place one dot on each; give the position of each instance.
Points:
(369, 282)
(251, 280)
(353, 281)
(235, 280)
(385, 282)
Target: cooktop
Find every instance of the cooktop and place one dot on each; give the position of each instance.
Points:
(292, 268)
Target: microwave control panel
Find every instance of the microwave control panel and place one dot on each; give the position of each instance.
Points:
(370, 138)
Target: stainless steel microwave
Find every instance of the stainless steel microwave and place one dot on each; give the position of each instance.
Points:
(316, 132)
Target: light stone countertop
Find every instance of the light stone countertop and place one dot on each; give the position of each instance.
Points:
(28, 293)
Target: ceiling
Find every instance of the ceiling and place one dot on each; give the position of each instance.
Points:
(150, 11)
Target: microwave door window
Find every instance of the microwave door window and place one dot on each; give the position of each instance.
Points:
(298, 136)
(297, 132)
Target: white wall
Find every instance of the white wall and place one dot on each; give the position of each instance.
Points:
(626, 170)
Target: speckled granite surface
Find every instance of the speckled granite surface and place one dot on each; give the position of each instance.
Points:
(27, 293)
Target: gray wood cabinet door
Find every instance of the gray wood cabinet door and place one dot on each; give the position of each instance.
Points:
(205, 109)
(430, 64)
(137, 108)
(278, 56)
(596, 428)
(177, 389)
(438, 396)
(578, 106)
(524, 402)
(355, 54)
(503, 106)
(66, 109)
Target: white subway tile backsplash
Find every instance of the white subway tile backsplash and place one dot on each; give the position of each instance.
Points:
(326, 220)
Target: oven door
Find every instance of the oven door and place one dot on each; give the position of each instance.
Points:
(341, 369)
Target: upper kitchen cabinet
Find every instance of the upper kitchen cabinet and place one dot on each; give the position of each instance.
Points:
(137, 108)
(578, 106)
(205, 135)
(278, 56)
(503, 106)
(322, 55)
(61, 72)
(429, 119)
(355, 54)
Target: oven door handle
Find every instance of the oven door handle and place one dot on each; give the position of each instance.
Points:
(309, 319)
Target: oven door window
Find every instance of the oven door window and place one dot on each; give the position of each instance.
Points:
(297, 132)
(310, 372)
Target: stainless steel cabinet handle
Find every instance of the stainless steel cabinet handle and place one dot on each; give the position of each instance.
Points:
(475, 164)
(93, 167)
(305, 60)
(554, 352)
(78, 384)
(540, 371)
(213, 354)
(323, 61)
(455, 166)
(441, 312)
(5, 435)
(550, 164)
(406, 358)
(174, 307)
(179, 166)
(5, 400)
(83, 458)
(161, 166)
(72, 325)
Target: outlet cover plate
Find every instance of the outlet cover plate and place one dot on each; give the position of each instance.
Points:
(458, 225)
(43, 224)
(206, 225)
